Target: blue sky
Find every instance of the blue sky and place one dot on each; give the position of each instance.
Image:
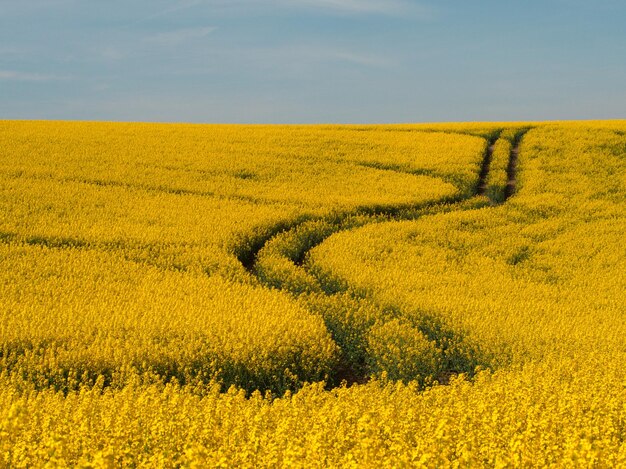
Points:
(305, 61)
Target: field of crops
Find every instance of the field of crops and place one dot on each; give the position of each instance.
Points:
(216, 295)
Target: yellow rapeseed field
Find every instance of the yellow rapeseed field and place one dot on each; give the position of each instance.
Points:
(312, 296)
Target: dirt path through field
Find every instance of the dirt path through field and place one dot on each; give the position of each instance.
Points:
(484, 168)
(248, 257)
(511, 170)
(251, 260)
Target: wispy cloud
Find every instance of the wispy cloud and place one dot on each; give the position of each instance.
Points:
(180, 5)
(306, 58)
(14, 75)
(360, 59)
(352, 6)
(20, 8)
(11, 50)
(381, 7)
(179, 36)
(114, 53)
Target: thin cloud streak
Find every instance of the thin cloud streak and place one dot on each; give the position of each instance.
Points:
(179, 6)
(357, 7)
(13, 75)
(179, 36)
(287, 62)
(351, 6)
(360, 59)
(306, 57)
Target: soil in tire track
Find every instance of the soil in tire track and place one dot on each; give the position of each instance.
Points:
(511, 170)
(345, 371)
(481, 187)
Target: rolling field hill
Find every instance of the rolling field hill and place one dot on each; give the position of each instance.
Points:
(397, 295)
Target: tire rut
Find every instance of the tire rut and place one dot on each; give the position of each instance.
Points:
(481, 187)
(511, 170)
(248, 255)
(347, 372)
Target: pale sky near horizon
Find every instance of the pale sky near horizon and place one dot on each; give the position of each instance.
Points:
(308, 61)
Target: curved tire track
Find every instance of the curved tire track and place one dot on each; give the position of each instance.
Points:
(348, 372)
(248, 257)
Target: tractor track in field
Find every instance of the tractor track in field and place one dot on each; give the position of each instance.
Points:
(511, 170)
(346, 372)
(248, 254)
(248, 257)
(481, 187)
